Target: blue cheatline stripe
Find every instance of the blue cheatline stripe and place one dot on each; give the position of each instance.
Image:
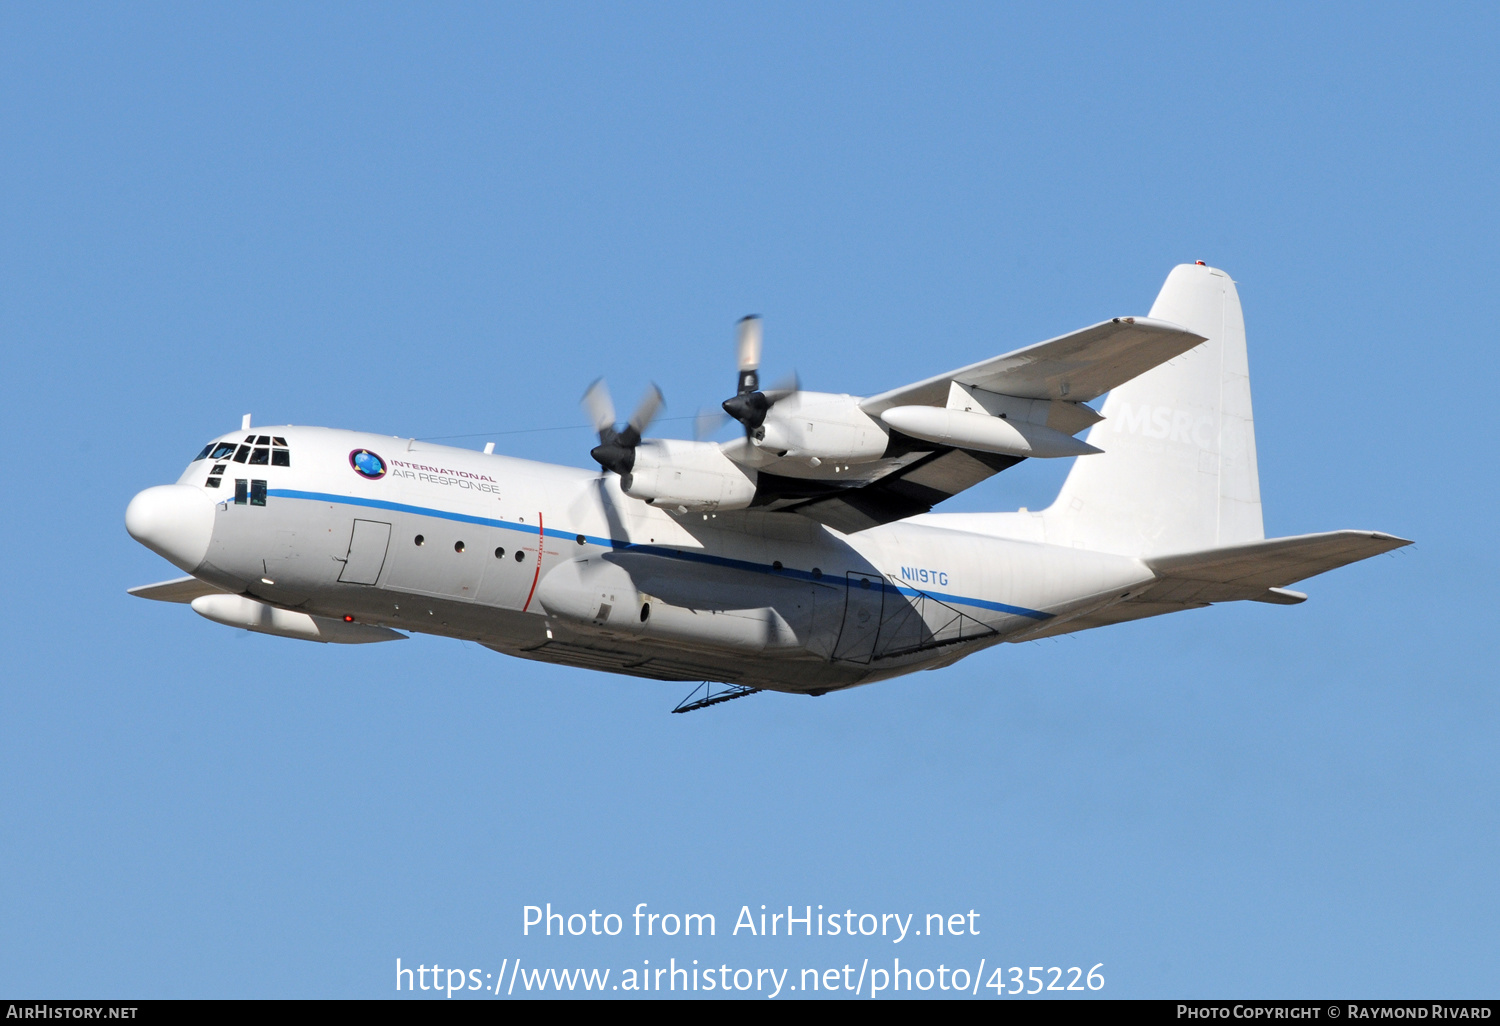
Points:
(401, 507)
(654, 550)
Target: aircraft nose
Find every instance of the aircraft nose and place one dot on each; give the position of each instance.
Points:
(174, 521)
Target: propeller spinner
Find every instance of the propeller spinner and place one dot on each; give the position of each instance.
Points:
(750, 405)
(616, 448)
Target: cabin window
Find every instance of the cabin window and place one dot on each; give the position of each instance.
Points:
(580, 539)
(223, 450)
(281, 458)
(458, 546)
(419, 540)
(217, 470)
(242, 454)
(262, 440)
(213, 482)
(241, 491)
(260, 457)
(520, 556)
(278, 441)
(500, 552)
(257, 493)
(206, 450)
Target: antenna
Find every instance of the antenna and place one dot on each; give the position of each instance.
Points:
(245, 422)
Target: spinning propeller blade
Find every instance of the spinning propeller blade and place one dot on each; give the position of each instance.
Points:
(750, 405)
(616, 448)
(600, 408)
(749, 355)
(707, 423)
(646, 411)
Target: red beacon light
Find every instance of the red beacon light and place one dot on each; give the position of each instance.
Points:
(1200, 263)
(348, 618)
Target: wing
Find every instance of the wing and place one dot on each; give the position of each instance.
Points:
(1043, 386)
(1073, 368)
(934, 474)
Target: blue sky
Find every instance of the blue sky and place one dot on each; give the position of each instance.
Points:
(446, 221)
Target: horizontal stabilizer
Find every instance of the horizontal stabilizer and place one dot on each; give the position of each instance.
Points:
(181, 589)
(1077, 367)
(1258, 571)
(1251, 569)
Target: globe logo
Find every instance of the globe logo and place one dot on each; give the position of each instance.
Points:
(366, 464)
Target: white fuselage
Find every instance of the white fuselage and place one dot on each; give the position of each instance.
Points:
(556, 563)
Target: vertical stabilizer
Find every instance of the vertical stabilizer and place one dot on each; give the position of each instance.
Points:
(1178, 470)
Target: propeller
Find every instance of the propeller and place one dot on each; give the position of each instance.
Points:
(749, 354)
(707, 423)
(616, 448)
(750, 405)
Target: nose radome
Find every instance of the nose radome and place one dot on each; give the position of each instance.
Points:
(174, 521)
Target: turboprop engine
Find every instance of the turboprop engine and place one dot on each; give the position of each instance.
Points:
(682, 475)
(822, 427)
(788, 423)
(665, 472)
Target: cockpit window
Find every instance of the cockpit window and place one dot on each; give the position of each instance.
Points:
(255, 450)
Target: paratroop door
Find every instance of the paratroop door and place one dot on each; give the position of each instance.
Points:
(367, 547)
(865, 594)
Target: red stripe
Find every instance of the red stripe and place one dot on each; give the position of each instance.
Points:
(538, 575)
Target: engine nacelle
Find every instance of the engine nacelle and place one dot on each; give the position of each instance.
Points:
(696, 476)
(983, 432)
(824, 425)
